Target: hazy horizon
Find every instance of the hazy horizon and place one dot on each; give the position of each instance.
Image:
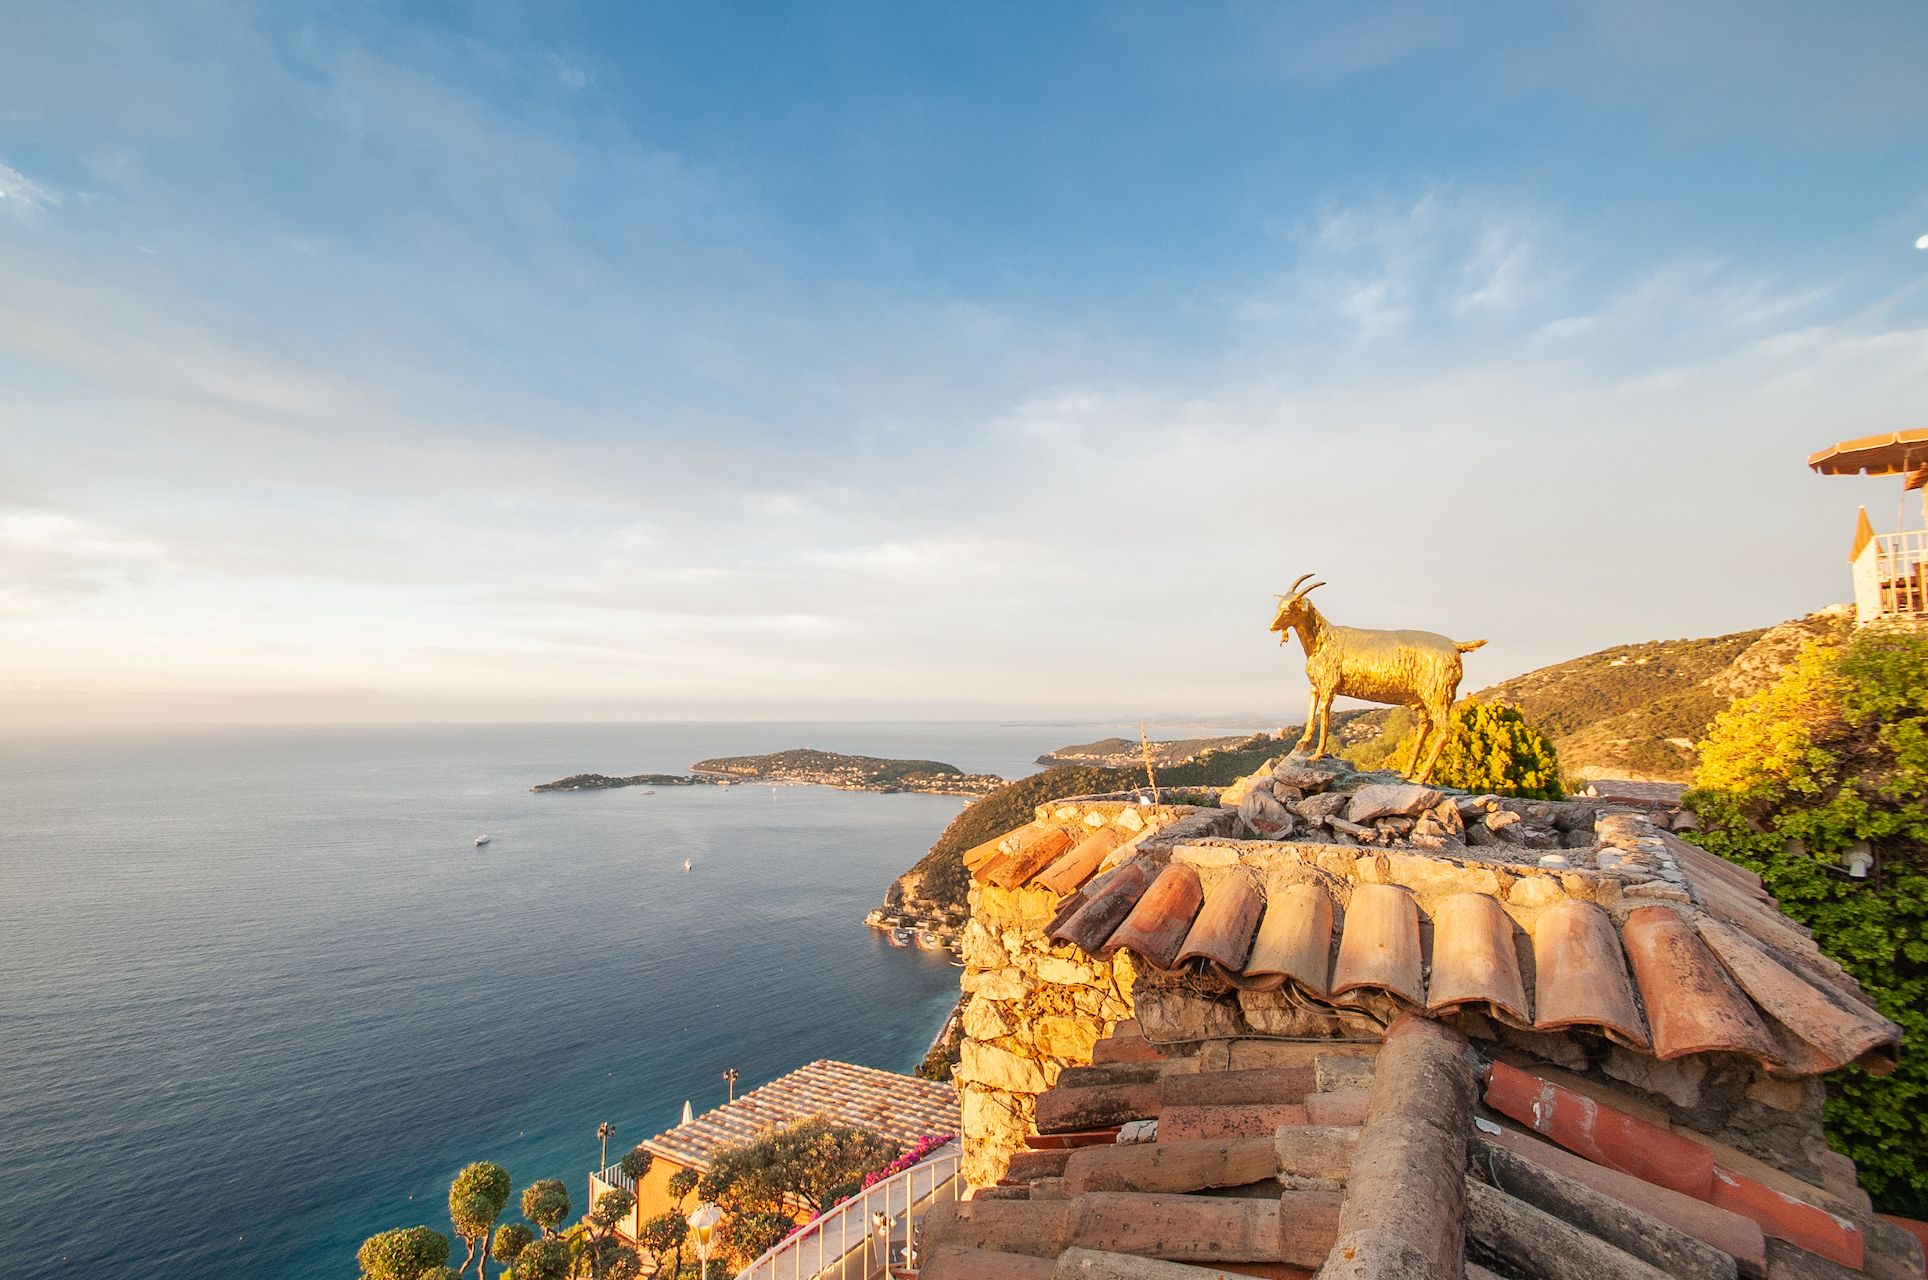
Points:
(394, 362)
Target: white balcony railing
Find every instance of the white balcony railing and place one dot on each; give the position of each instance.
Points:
(868, 1234)
(1891, 577)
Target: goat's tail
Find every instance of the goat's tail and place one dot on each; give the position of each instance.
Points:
(1467, 646)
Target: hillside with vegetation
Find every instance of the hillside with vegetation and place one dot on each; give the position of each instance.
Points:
(808, 766)
(1632, 711)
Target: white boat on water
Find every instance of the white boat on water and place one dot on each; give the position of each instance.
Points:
(687, 864)
(900, 937)
(928, 941)
(482, 840)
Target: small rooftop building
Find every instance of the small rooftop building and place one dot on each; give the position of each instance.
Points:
(1350, 1027)
(898, 1107)
(1890, 569)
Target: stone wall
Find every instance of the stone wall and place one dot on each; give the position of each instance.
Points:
(1033, 1008)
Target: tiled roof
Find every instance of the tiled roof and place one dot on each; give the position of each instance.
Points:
(901, 1108)
(1637, 936)
(1419, 1158)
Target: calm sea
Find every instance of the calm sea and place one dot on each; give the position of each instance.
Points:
(260, 995)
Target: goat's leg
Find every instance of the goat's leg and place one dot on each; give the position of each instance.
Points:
(1325, 721)
(1311, 723)
(1442, 719)
(1422, 733)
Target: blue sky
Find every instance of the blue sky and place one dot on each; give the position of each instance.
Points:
(376, 361)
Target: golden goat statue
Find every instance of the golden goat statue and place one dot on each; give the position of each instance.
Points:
(1418, 669)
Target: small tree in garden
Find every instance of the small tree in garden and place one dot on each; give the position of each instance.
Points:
(611, 1207)
(477, 1198)
(815, 1162)
(546, 1203)
(682, 1182)
(663, 1236)
(636, 1164)
(545, 1259)
(511, 1238)
(745, 1237)
(406, 1253)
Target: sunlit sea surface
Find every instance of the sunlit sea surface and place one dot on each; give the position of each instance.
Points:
(261, 996)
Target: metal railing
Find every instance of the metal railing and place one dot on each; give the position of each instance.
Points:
(866, 1235)
(1891, 577)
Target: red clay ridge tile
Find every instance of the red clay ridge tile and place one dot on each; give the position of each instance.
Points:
(1692, 1005)
(1380, 945)
(1295, 939)
(1075, 867)
(1785, 1218)
(1474, 961)
(1156, 927)
(1601, 1134)
(1223, 931)
(1581, 974)
(1030, 858)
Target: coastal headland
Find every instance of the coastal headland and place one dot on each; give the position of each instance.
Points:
(801, 766)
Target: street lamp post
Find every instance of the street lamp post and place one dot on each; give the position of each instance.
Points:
(605, 1131)
(703, 1219)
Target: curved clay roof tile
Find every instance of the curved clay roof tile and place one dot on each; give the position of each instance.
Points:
(1380, 945)
(1023, 863)
(1075, 867)
(1580, 974)
(1295, 939)
(1692, 1005)
(1223, 931)
(1474, 960)
(1105, 907)
(1156, 927)
(1838, 1035)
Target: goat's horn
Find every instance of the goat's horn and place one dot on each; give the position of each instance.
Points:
(1293, 590)
(1314, 587)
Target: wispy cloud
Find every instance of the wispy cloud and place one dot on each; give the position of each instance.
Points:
(23, 199)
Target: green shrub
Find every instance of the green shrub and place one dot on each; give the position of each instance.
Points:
(1491, 748)
(1835, 754)
(402, 1254)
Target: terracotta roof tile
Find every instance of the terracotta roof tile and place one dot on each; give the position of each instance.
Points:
(1581, 974)
(1223, 931)
(1077, 866)
(1157, 926)
(1692, 1005)
(1836, 1034)
(1105, 907)
(1474, 961)
(1379, 947)
(1295, 939)
(901, 1108)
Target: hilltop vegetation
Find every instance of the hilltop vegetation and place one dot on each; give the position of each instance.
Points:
(852, 773)
(1635, 710)
(1128, 753)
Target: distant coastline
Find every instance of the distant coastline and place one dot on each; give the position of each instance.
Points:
(802, 766)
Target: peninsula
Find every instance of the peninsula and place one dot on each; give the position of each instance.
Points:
(801, 766)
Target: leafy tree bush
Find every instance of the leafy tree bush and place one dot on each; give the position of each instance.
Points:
(682, 1182)
(636, 1164)
(663, 1237)
(610, 1259)
(511, 1238)
(477, 1198)
(546, 1203)
(748, 1236)
(611, 1206)
(545, 1259)
(815, 1162)
(1833, 754)
(1491, 748)
(405, 1253)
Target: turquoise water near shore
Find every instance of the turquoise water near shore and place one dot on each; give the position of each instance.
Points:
(260, 996)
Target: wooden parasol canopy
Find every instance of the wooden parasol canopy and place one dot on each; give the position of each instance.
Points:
(1883, 455)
